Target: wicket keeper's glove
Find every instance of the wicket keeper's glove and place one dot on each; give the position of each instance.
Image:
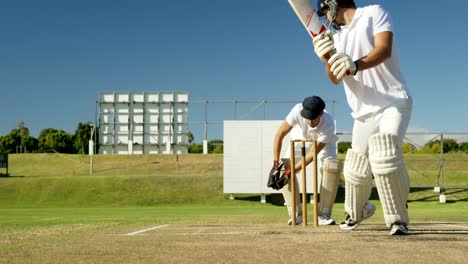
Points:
(278, 176)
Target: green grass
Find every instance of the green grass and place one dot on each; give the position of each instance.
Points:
(163, 188)
(111, 191)
(235, 213)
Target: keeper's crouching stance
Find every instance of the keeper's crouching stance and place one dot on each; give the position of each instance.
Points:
(330, 169)
(310, 121)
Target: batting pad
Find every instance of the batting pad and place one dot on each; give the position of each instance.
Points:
(329, 185)
(358, 181)
(391, 177)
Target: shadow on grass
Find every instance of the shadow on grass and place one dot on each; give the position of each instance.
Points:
(417, 194)
(3, 175)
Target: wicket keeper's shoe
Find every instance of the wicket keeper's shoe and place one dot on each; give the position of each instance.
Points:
(398, 229)
(325, 220)
(350, 224)
(298, 220)
(368, 210)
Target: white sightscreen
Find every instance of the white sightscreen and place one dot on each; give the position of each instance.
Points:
(248, 156)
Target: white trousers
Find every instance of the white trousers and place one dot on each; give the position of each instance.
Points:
(393, 119)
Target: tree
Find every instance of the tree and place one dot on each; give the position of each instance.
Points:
(215, 144)
(30, 144)
(464, 147)
(18, 140)
(23, 133)
(51, 139)
(218, 149)
(343, 147)
(82, 137)
(195, 148)
(450, 145)
(10, 141)
(408, 148)
(43, 145)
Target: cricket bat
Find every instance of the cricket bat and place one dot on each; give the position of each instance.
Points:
(309, 18)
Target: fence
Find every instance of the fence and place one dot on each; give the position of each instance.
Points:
(206, 117)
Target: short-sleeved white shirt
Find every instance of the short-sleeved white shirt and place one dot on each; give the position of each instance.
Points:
(324, 132)
(379, 87)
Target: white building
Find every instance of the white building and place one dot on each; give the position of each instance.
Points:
(143, 122)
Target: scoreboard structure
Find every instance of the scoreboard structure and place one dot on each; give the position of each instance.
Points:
(143, 122)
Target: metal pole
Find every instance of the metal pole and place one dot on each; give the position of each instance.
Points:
(205, 137)
(441, 162)
(96, 122)
(92, 151)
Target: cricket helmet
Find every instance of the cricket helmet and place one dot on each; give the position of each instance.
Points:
(332, 6)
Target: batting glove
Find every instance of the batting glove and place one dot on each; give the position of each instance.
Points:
(324, 45)
(341, 65)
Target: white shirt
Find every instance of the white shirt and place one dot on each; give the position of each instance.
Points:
(324, 132)
(379, 87)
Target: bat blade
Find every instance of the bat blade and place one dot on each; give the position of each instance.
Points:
(308, 17)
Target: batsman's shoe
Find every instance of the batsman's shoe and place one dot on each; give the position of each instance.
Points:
(298, 220)
(325, 220)
(398, 229)
(350, 224)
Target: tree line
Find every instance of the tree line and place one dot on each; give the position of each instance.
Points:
(19, 140)
(50, 140)
(55, 140)
(431, 147)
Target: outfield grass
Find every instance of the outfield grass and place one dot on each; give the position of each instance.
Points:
(52, 180)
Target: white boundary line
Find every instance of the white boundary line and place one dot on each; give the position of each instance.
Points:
(144, 230)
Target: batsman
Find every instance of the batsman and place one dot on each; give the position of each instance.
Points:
(366, 62)
(313, 122)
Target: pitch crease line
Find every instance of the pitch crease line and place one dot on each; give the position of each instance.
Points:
(145, 230)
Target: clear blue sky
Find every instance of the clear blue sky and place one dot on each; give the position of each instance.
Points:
(57, 55)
